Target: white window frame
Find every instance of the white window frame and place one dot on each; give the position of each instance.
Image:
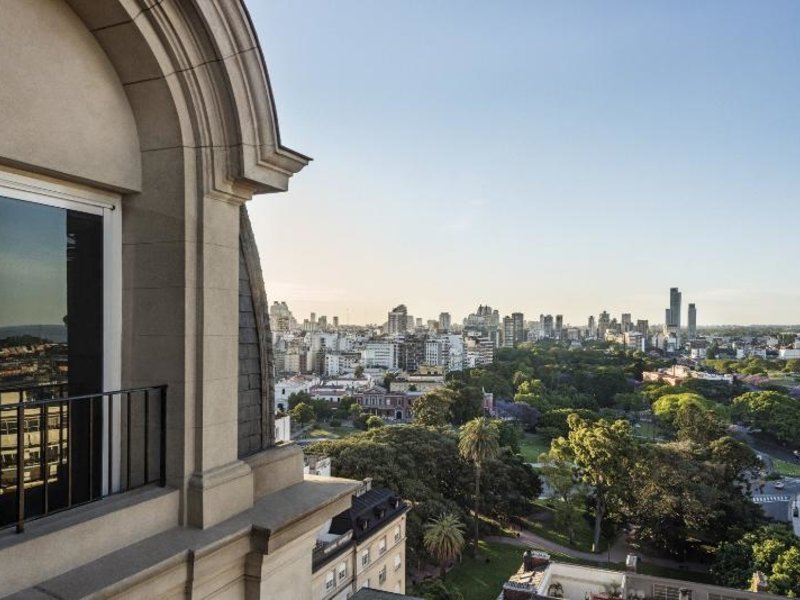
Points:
(398, 533)
(39, 189)
(330, 580)
(365, 558)
(382, 546)
(398, 562)
(341, 571)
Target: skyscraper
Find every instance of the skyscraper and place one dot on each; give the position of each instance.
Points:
(591, 326)
(692, 321)
(602, 324)
(627, 322)
(674, 310)
(398, 318)
(559, 325)
(508, 332)
(444, 322)
(518, 320)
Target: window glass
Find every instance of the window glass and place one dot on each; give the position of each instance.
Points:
(51, 344)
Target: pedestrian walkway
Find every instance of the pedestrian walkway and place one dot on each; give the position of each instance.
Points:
(618, 552)
(765, 499)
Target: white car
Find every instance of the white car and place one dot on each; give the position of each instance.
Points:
(779, 485)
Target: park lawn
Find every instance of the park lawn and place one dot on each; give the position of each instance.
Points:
(532, 445)
(786, 468)
(326, 431)
(478, 579)
(546, 528)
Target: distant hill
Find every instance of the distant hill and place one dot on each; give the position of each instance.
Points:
(53, 333)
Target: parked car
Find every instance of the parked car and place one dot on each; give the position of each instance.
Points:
(779, 485)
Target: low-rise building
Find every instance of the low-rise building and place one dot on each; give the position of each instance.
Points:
(539, 577)
(364, 547)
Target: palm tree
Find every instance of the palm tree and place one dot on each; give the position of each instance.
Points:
(443, 539)
(477, 443)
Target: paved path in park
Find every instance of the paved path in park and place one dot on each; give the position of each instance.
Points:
(619, 551)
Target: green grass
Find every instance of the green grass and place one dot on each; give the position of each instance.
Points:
(481, 580)
(532, 445)
(786, 468)
(326, 431)
(547, 529)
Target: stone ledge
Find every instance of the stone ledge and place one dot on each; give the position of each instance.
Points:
(159, 563)
(64, 541)
(276, 468)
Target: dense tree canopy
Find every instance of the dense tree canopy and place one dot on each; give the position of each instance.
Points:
(775, 413)
(423, 465)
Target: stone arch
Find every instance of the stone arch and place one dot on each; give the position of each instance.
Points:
(196, 81)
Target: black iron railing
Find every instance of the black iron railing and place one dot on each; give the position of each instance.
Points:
(62, 451)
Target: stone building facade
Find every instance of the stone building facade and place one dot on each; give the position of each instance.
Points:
(157, 120)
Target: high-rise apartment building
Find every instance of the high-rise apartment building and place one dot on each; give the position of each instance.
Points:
(603, 323)
(642, 326)
(398, 320)
(444, 322)
(627, 323)
(692, 321)
(591, 326)
(518, 321)
(673, 314)
(559, 326)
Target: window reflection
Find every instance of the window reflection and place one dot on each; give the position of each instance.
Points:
(51, 315)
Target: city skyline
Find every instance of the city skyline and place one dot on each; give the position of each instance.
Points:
(540, 157)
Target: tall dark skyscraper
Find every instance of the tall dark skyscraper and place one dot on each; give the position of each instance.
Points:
(673, 315)
(518, 320)
(692, 321)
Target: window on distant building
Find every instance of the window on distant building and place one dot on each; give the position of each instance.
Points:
(397, 562)
(382, 576)
(365, 558)
(397, 534)
(342, 571)
(330, 580)
(382, 546)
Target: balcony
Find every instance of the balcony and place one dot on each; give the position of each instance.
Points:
(77, 449)
(327, 549)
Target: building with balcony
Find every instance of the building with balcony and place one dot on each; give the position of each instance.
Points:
(137, 428)
(364, 547)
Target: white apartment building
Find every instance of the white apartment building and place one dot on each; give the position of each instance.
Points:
(380, 355)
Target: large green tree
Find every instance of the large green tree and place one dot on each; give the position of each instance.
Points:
(775, 413)
(603, 453)
(478, 442)
(433, 408)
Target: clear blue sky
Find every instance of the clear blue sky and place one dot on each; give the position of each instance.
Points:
(555, 157)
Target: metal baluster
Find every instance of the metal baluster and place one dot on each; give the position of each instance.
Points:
(128, 444)
(44, 416)
(146, 436)
(20, 466)
(109, 489)
(69, 452)
(163, 457)
(91, 448)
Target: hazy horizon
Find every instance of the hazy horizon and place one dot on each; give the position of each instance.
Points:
(539, 157)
